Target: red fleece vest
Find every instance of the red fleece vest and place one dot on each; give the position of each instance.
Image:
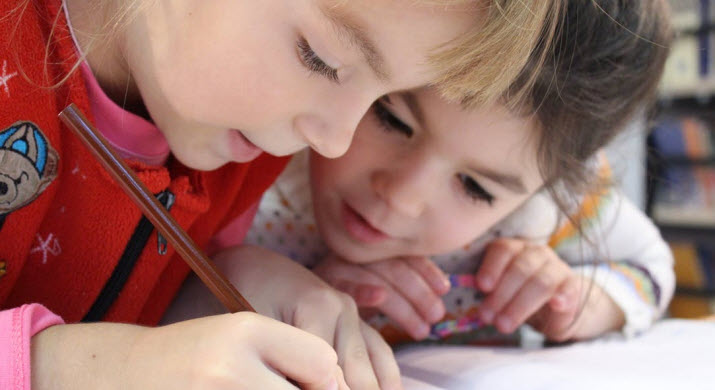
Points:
(65, 223)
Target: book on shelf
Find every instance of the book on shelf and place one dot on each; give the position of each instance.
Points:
(695, 279)
(685, 196)
(685, 193)
(683, 136)
(690, 68)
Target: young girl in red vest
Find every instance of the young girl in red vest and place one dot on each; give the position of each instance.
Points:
(192, 93)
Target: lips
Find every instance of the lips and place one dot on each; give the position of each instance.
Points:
(359, 228)
(241, 149)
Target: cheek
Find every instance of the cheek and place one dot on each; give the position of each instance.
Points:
(370, 150)
(218, 83)
(352, 168)
(326, 186)
(446, 235)
(224, 96)
(456, 226)
(456, 223)
(322, 170)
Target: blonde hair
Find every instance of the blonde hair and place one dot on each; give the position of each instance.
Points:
(481, 66)
(117, 16)
(474, 69)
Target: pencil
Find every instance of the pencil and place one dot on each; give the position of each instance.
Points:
(154, 211)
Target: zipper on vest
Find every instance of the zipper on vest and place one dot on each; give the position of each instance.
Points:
(162, 245)
(125, 265)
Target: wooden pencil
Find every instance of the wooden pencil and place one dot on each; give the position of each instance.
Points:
(154, 211)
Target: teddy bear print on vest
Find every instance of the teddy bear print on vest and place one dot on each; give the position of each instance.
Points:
(28, 164)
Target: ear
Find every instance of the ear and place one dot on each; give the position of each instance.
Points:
(50, 172)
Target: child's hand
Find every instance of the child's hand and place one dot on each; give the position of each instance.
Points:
(599, 314)
(524, 281)
(285, 290)
(230, 351)
(406, 290)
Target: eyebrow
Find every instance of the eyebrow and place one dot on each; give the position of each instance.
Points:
(355, 34)
(510, 182)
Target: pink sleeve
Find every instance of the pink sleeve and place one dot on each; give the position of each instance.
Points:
(17, 326)
(234, 232)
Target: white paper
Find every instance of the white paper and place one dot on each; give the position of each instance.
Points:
(674, 354)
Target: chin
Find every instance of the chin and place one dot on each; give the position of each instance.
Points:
(357, 255)
(343, 249)
(200, 162)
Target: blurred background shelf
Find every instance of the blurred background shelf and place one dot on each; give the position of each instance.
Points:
(680, 180)
(703, 89)
(686, 232)
(681, 160)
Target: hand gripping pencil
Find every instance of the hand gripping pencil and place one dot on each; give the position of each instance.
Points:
(154, 211)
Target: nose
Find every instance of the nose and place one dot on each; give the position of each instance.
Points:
(330, 130)
(405, 189)
(329, 141)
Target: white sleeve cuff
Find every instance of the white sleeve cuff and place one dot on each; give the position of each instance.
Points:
(633, 301)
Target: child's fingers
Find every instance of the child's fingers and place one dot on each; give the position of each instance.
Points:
(431, 273)
(567, 296)
(382, 358)
(519, 271)
(332, 316)
(554, 325)
(338, 383)
(497, 257)
(325, 328)
(353, 355)
(365, 295)
(537, 319)
(412, 286)
(340, 378)
(401, 312)
(368, 312)
(531, 297)
(395, 306)
(366, 288)
(294, 353)
(332, 269)
(558, 326)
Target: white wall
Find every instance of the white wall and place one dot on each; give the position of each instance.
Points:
(627, 155)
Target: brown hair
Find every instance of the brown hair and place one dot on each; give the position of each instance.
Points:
(603, 65)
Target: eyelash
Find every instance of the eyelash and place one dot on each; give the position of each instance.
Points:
(390, 122)
(314, 63)
(474, 190)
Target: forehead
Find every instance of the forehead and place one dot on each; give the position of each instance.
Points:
(405, 32)
(491, 136)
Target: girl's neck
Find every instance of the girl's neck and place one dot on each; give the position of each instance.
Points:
(101, 40)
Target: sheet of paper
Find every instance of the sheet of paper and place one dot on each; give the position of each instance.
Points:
(674, 354)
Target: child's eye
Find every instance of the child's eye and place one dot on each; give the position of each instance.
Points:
(314, 63)
(389, 121)
(474, 190)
